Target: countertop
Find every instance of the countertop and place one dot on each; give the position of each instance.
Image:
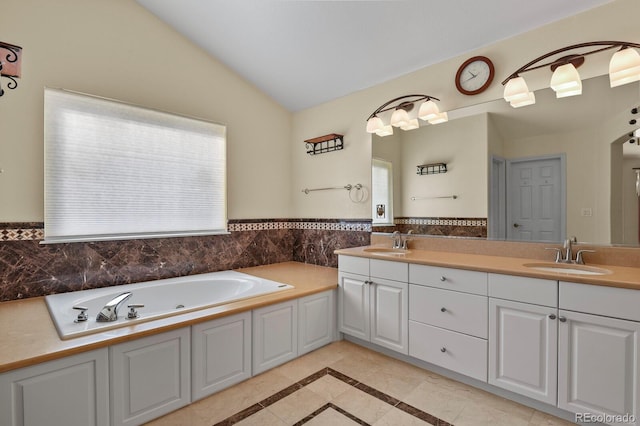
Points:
(620, 276)
(28, 335)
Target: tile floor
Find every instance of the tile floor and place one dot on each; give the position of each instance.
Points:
(346, 384)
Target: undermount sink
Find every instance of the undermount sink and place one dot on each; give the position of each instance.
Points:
(385, 251)
(563, 268)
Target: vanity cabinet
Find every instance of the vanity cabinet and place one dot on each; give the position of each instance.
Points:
(317, 323)
(373, 301)
(275, 335)
(523, 336)
(599, 351)
(150, 377)
(221, 354)
(448, 318)
(71, 391)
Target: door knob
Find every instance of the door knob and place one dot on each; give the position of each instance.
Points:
(516, 225)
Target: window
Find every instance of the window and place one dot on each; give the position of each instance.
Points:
(382, 191)
(118, 171)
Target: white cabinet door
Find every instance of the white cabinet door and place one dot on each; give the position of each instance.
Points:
(316, 326)
(221, 354)
(72, 391)
(599, 363)
(389, 314)
(275, 335)
(523, 349)
(150, 377)
(353, 305)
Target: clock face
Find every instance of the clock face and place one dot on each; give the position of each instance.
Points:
(475, 75)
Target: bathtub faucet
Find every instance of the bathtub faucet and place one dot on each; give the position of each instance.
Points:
(110, 310)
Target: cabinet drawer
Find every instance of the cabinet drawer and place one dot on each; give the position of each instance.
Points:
(600, 300)
(463, 312)
(355, 265)
(397, 271)
(524, 289)
(449, 279)
(457, 352)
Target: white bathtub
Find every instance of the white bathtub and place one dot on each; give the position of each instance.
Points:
(160, 298)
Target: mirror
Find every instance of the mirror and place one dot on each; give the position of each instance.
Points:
(565, 162)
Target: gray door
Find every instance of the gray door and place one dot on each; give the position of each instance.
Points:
(535, 199)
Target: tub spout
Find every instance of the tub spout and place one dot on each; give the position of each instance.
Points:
(110, 310)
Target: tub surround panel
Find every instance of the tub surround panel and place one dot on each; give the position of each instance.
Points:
(32, 336)
(30, 269)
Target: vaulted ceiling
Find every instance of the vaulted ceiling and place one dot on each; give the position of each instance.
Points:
(306, 52)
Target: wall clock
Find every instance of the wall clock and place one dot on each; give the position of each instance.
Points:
(474, 75)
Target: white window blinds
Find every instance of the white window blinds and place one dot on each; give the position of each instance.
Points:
(116, 171)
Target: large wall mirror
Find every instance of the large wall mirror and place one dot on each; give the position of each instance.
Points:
(559, 168)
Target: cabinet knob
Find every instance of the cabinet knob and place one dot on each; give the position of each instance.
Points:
(552, 316)
(443, 278)
(562, 319)
(443, 349)
(443, 309)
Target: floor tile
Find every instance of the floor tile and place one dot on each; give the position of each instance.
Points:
(297, 406)
(345, 384)
(362, 405)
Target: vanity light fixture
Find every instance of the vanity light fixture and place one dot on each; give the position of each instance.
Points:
(624, 68)
(401, 117)
(10, 64)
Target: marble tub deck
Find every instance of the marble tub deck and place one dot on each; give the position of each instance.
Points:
(346, 384)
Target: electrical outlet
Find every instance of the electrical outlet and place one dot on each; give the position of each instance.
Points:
(586, 211)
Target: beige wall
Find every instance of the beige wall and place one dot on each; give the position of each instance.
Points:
(348, 114)
(462, 145)
(116, 49)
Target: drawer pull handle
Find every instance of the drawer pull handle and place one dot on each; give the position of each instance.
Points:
(443, 309)
(443, 278)
(443, 349)
(552, 316)
(562, 319)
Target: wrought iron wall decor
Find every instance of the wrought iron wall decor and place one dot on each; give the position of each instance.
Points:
(326, 143)
(10, 64)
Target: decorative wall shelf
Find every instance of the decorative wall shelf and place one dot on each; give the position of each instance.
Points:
(432, 169)
(326, 143)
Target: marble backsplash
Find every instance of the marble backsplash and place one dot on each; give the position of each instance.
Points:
(443, 227)
(29, 269)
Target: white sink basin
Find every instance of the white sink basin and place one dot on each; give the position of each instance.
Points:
(562, 268)
(384, 251)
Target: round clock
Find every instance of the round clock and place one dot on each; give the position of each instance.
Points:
(474, 75)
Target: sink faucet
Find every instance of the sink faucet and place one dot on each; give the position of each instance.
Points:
(110, 311)
(397, 240)
(568, 254)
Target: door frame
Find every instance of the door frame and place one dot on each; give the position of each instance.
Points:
(500, 214)
(497, 217)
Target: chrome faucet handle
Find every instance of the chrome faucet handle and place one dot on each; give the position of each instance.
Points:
(82, 316)
(558, 253)
(579, 257)
(132, 310)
